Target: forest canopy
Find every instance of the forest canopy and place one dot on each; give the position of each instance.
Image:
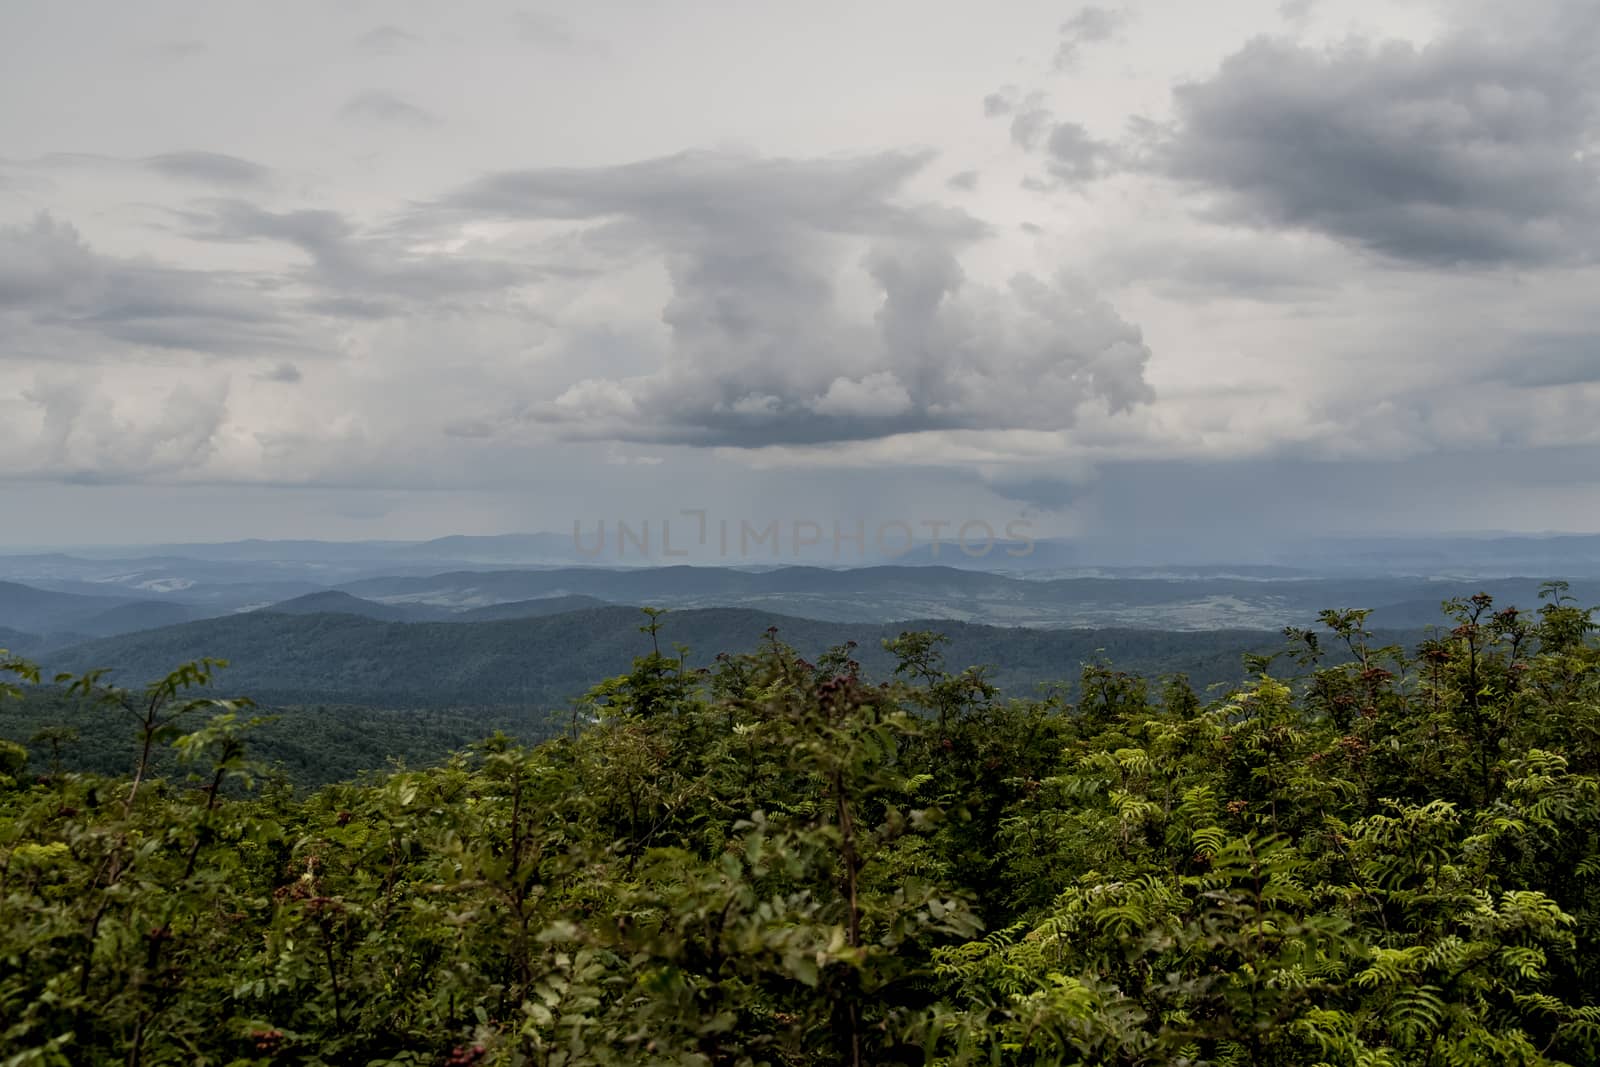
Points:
(1367, 855)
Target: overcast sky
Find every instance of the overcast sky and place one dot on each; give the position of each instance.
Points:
(1234, 271)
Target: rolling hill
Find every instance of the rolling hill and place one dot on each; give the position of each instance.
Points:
(55, 619)
(17, 642)
(44, 611)
(140, 615)
(545, 661)
(40, 611)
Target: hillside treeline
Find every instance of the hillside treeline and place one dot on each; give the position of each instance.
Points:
(1382, 857)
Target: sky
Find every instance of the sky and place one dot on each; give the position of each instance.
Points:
(1226, 274)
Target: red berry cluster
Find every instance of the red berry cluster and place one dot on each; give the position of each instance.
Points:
(466, 1057)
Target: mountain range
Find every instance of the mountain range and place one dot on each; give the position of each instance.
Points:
(544, 661)
(57, 618)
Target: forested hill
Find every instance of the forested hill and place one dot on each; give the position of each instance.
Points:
(545, 661)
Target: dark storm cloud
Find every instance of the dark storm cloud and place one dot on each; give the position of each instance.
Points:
(51, 280)
(1092, 25)
(384, 107)
(763, 256)
(1481, 149)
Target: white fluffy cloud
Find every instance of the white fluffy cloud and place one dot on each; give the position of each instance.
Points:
(877, 395)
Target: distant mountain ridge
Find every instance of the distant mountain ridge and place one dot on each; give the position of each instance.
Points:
(140, 615)
(17, 642)
(867, 594)
(23, 607)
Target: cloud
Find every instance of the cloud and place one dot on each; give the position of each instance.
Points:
(1479, 149)
(1031, 122)
(90, 434)
(771, 262)
(877, 395)
(1091, 25)
(52, 282)
(212, 167)
(384, 107)
(112, 339)
(358, 274)
(699, 193)
(965, 181)
(1071, 154)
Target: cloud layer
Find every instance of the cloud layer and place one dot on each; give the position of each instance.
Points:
(607, 253)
